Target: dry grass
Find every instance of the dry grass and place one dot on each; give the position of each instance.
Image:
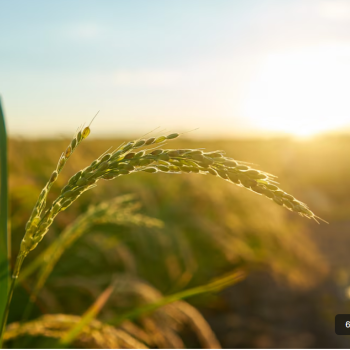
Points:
(161, 328)
(95, 335)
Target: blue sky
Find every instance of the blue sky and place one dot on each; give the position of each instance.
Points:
(240, 68)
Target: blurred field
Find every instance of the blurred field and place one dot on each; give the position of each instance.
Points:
(298, 271)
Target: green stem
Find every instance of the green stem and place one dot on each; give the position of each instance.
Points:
(16, 270)
(4, 232)
(6, 313)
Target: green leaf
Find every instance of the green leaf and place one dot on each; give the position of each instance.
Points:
(4, 232)
(88, 316)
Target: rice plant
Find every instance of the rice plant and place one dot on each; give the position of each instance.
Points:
(142, 155)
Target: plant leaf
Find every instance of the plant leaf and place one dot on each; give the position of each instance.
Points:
(4, 232)
(214, 286)
(88, 316)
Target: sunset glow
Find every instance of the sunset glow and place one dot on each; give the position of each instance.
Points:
(230, 68)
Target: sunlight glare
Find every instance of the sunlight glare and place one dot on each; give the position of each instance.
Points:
(302, 93)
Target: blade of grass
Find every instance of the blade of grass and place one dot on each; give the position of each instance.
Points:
(4, 232)
(214, 286)
(89, 315)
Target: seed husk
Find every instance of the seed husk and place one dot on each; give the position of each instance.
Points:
(267, 193)
(150, 141)
(164, 156)
(212, 171)
(157, 152)
(129, 167)
(194, 152)
(183, 151)
(66, 203)
(255, 174)
(146, 161)
(81, 182)
(128, 147)
(189, 162)
(222, 174)
(246, 182)
(162, 162)
(94, 163)
(68, 152)
(198, 157)
(109, 177)
(90, 182)
(230, 163)
(261, 177)
(43, 193)
(288, 196)
(251, 173)
(139, 154)
(61, 163)
(87, 171)
(175, 162)
(163, 168)
(139, 143)
(57, 207)
(106, 157)
(67, 188)
(74, 143)
(150, 170)
(172, 136)
(278, 200)
(207, 161)
(306, 211)
(74, 178)
(242, 167)
(70, 193)
(53, 176)
(234, 178)
(174, 168)
(279, 193)
(257, 189)
(214, 155)
(173, 153)
(103, 166)
(186, 169)
(86, 133)
(116, 154)
(129, 155)
(288, 204)
(160, 139)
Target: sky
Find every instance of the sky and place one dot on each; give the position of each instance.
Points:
(241, 68)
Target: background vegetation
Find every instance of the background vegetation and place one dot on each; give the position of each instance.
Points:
(202, 228)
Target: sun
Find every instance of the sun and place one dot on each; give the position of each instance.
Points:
(302, 93)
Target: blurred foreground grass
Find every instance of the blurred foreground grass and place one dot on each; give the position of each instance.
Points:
(210, 228)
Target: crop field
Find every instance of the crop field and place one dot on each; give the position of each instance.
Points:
(185, 260)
